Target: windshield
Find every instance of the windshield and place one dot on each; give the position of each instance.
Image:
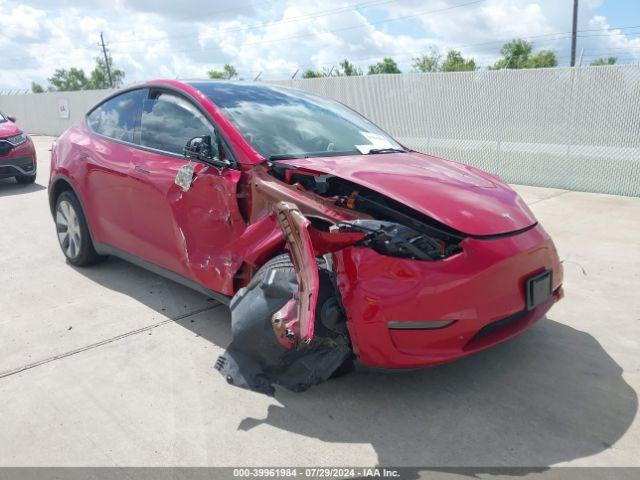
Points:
(280, 122)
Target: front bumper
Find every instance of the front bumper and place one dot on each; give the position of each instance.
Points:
(19, 160)
(482, 290)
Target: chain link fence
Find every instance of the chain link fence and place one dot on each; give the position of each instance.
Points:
(571, 128)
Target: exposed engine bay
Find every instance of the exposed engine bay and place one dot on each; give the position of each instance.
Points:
(288, 323)
(391, 228)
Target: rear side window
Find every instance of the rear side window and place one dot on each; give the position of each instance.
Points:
(169, 121)
(117, 118)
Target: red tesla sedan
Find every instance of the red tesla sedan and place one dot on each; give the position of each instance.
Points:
(328, 239)
(17, 153)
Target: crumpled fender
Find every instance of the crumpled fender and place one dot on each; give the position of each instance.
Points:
(296, 320)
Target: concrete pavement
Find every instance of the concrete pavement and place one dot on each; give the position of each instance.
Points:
(113, 366)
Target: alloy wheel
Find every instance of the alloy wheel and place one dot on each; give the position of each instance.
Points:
(68, 227)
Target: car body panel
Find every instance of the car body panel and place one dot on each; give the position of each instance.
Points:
(460, 196)
(185, 231)
(481, 285)
(100, 171)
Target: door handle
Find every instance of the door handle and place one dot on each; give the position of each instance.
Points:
(141, 170)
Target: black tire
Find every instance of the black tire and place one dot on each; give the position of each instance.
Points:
(82, 253)
(257, 360)
(283, 263)
(25, 179)
(326, 298)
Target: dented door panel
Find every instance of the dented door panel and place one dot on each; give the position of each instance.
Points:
(207, 227)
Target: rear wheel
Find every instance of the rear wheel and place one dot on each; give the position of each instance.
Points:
(73, 232)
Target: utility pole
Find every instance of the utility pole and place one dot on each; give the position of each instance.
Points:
(574, 33)
(106, 59)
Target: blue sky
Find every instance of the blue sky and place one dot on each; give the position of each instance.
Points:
(166, 38)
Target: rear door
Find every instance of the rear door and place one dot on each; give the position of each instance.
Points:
(182, 231)
(107, 159)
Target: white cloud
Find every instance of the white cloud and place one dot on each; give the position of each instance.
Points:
(165, 38)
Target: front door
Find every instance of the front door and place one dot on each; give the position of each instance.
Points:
(182, 231)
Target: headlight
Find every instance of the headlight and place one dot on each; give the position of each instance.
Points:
(396, 240)
(16, 139)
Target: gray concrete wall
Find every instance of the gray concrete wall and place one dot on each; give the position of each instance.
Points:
(37, 113)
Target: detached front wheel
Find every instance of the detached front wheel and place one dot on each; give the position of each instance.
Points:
(73, 232)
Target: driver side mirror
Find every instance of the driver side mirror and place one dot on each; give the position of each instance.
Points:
(201, 149)
(11, 118)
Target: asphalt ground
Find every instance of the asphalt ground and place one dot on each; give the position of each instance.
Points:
(113, 366)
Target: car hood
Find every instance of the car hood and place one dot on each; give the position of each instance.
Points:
(8, 129)
(457, 195)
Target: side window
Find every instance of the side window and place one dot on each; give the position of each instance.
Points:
(117, 118)
(169, 121)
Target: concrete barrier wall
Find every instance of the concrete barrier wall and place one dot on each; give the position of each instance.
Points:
(38, 113)
(576, 129)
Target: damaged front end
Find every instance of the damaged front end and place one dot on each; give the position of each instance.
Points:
(288, 323)
(273, 319)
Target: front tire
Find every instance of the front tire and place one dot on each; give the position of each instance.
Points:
(73, 232)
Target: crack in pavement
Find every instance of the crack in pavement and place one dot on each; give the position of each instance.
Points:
(91, 346)
(552, 196)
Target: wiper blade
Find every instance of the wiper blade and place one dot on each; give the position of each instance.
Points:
(385, 150)
(285, 156)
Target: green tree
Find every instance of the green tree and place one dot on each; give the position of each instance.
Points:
(604, 61)
(518, 54)
(427, 63)
(228, 72)
(455, 62)
(348, 69)
(36, 87)
(325, 72)
(71, 79)
(542, 59)
(99, 76)
(515, 54)
(68, 80)
(387, 65)
(310, 73)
